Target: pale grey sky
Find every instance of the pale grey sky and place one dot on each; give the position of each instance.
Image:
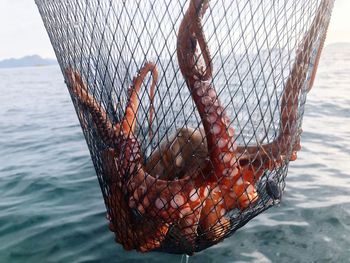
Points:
(22, 31)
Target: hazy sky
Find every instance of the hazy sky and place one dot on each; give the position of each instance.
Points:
(22, 31)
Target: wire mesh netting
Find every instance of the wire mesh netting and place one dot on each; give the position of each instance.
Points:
(191, 109)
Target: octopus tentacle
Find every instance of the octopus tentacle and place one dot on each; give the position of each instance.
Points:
(106, 129)
(234, 184)
(230, 176)
(177, 202)
(223, 176)
(124, 147)
(298, 75)
(179, 196)
(129, 121)
(99, 115)
(130, 233)
(254, 160)
(272, 154)
(235, 189)
(318, 56)
(212, 114)
(190, 33)
(164, 201)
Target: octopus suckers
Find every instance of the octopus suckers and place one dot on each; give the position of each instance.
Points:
(136, 195)
(146, 201)
(160, 203)
(141, 209)
(231, 132)
(239, 181)
(212, 118)
(206, 192)
(232, 195)
(233, 161)
(233, 147)
(206, 100)
(108, 217)
(210, 109)
(222, 212)
(134, 157)
(177, 201)
(134, 167)
(132, 202)
(226, 172)
(222, 142)
(216, 129)
(194, 195)
(216, 190)
(226, 120)
(225, 157)
(135, 150)
(219, 110)
(185, 211)
(179, 161)
(224, 187)
(200, 91)
(143, 189)
(212, 93)
(189, 221)
(131, 105)
(197, 85)
(250, 189)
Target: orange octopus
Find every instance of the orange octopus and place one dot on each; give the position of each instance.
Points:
(147, 201)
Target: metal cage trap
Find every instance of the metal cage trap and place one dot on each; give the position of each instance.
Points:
(192, 109)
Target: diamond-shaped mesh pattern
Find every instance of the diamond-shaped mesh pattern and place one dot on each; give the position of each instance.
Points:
(191, 109)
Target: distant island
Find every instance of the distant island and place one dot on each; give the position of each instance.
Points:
(37, 61)
(27, 61)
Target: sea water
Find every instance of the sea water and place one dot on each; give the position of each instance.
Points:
(51, 207)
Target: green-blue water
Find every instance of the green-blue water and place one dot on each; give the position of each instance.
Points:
(51, 208)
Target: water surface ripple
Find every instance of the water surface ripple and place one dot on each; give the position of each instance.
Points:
(51, 208)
